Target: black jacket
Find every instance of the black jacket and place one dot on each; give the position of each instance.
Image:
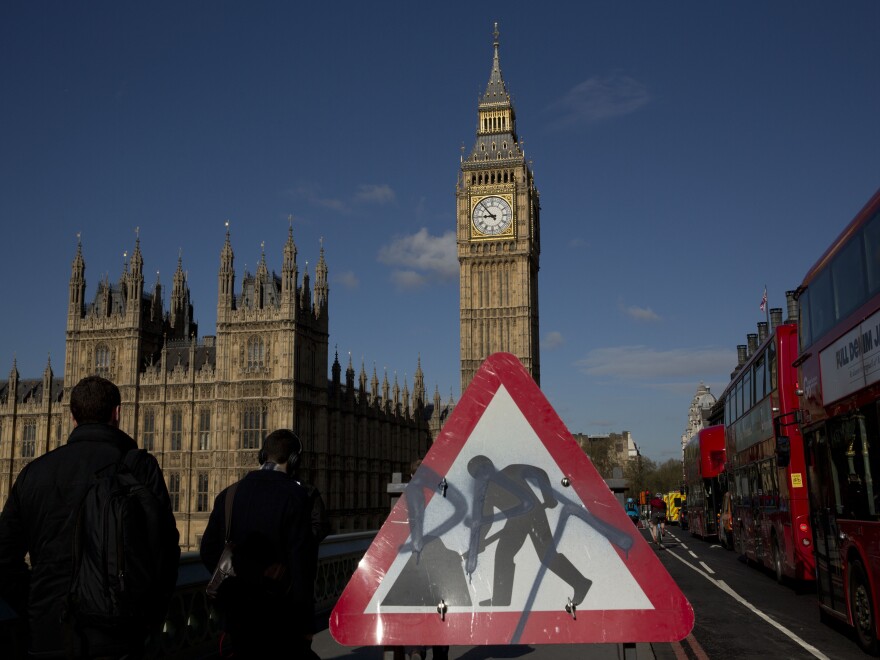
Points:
(271, 523)
(39, 518)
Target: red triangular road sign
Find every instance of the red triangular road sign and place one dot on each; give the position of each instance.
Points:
(504, 526)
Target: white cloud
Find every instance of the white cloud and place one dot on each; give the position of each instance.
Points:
(312, 194)
(423, 253)
(347, 280)
(378, 194)
(407, 279)
(598, 98)
(640, 313)
(648, 364)
(552, 340)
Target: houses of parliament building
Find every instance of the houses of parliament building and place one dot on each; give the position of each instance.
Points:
(203, 405)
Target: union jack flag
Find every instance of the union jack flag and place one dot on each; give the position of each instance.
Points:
(764, 300)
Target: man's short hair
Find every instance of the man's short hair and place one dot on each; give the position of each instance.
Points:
(93, 400)
(281, 446)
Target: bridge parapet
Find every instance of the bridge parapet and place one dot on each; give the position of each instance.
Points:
(191, 627)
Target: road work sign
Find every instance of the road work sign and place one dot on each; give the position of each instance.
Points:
(507, 534)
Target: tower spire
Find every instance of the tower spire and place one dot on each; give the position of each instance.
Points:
(226, 279)
(496, 91)
(76, 301)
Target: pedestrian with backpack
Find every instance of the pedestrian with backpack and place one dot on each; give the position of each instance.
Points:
(266, 601)
(95, 518)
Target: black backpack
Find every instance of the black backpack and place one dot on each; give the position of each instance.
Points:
(117, 551)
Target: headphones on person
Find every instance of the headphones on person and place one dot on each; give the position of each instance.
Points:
(292, 457)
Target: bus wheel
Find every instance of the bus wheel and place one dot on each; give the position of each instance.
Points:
(778, 568)
(864, 619)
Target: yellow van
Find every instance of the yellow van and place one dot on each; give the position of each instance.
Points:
(674, 501)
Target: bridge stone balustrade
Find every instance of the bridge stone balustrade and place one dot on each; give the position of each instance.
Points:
(191, 627)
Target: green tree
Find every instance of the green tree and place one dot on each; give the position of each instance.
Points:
(601, 452)
(667, 476)
(639, 472)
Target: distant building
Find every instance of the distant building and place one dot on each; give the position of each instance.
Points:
(620, 448)
(699, 414)
(203, 406)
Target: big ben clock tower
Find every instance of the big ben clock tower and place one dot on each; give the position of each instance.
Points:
(498, 211)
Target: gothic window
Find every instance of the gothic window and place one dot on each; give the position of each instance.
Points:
(349, 490)
(29, 439)
(204, 429)
(202, 492)
(102, 360)
(256, 353)
(253, 426)
(176, 430)
(174, 490)
(148, 430)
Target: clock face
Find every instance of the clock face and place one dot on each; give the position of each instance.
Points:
(492, 216)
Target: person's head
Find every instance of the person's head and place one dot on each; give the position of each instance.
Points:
(281, 447)
(95, 400)
(629, 500)
(659, 496)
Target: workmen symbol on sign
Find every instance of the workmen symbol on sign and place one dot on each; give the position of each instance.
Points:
(524, 516)
(429, 556)
(505, 497)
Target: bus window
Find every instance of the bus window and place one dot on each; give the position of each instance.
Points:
(872, 251)
(742, 488)
(822, 311)
(771, 365)
(760, 385)
(768, 483)
(804, 334)
(748, 399)
(819, 480)
(854, 462)
(848, 277)
(755, 486)
(739, 399)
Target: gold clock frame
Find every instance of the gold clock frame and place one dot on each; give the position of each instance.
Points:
(478, 196)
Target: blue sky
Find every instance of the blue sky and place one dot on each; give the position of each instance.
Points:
(687, 155)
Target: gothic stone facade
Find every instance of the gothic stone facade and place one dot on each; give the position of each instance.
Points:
(203, 406)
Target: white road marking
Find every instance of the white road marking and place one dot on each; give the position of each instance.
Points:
(693, 554)
(726, 589)
(707, 569)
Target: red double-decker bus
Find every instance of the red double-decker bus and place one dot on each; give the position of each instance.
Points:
(839, 366)
(703, 464)
(765, 456)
